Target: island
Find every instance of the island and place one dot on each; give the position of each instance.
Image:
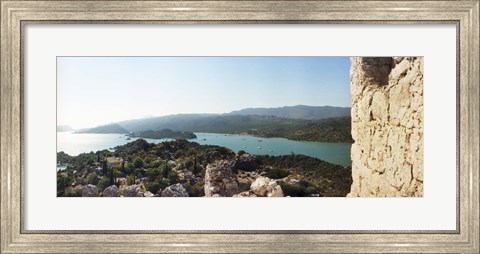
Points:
(163, 134)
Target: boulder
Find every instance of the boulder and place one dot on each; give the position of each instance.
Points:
(220, 179)
(111, 191)
(176, 190)
(266, 187)
(90, 191)
(132, 191)
(148, 194)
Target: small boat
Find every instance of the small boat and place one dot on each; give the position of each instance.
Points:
(244, 147)
(259, 147)
(260, 140)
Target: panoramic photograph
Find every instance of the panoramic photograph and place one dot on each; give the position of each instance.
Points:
(239, 126)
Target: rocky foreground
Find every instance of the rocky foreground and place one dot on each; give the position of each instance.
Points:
(187, 169)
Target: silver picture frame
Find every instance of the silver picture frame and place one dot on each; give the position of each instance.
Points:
(16, 14)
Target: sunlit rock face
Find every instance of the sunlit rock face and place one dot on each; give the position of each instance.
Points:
(387, 126)
(220, 179)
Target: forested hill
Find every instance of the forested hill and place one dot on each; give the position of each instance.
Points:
(297, 112)
(108, 128)
(336, 130)
(299, 126)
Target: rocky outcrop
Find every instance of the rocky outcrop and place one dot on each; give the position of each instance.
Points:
(90, 191)
(176, 190)
(132, 191)
(220, 179)
(111, 191)
(266, 187)
(245, 162)
(387, 126)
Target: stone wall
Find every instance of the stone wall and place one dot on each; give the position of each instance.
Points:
(387, 126)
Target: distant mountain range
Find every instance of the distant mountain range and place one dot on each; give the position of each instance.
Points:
(297, 112)
(107, 128)
(323, 123)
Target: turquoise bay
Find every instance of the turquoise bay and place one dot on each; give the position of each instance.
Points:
(337, 153)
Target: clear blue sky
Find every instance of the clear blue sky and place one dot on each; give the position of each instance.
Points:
(98, 90)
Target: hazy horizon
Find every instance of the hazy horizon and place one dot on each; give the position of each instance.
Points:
(93, 91)
(201, 113)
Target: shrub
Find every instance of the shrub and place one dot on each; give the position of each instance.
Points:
(103, 183)
(191, 152)
(73, 192)
(196, 190)
(139, 172)
(188, 163)
(164, 183)
(148, 160)
(80, 180)
(90, 162)
(311, 190)
(118, 172)
(292, 190)
(138, 162)
(153, 187)
(172, 177)
(92, 178)
(155, 164)
(62, 183)
(241, 152)
(179, 154)
(166, 168)
(154, 173)
(277, 173)
(130, 166)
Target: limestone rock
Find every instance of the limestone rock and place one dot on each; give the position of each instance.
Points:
(90, 191)
(176, 190)
(220, 179)
(148, 194)
(387, 117)
(266, 187)
(132, 191)
(111, 191)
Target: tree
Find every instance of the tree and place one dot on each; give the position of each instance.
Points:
(166, 168)
(112, 180)
(105, 167)
(195, 168)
